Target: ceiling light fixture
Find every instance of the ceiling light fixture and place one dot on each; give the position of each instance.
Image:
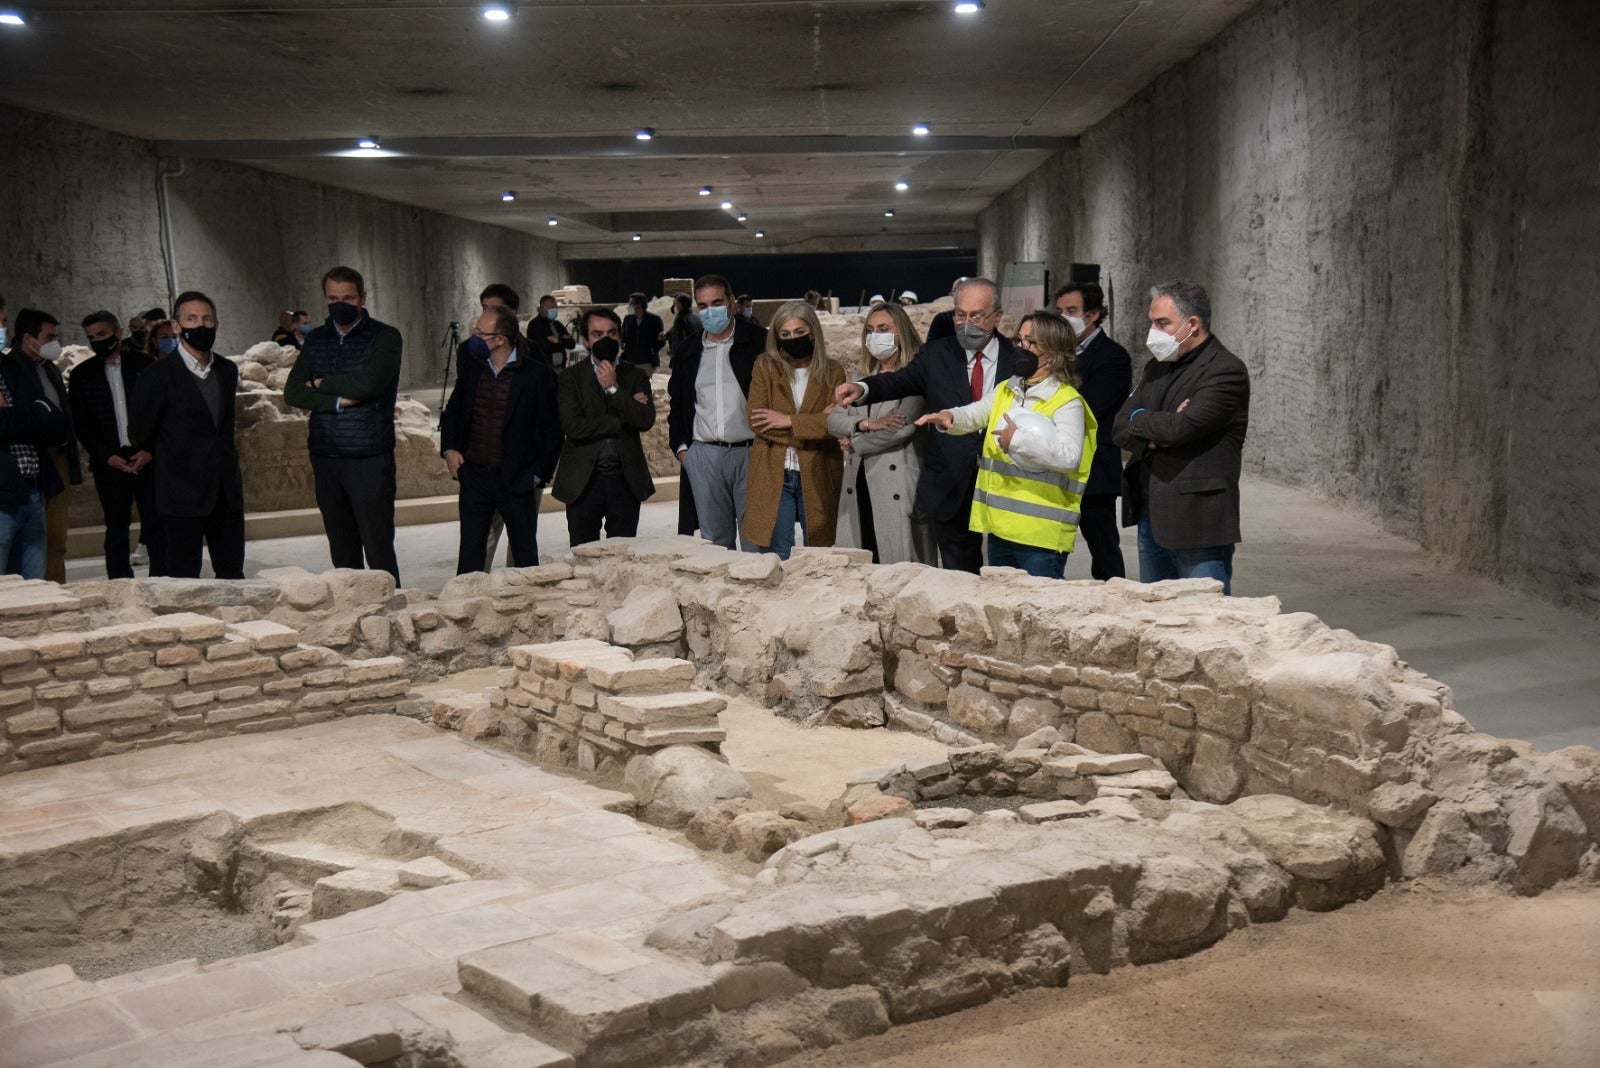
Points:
(727, 204)
(922, 129)
(368, 143)
(889, 214)
(497, 12)
(705, 190)
(901, 187)
(508, 196)
(638, 237)
(551, 221)
(761, 233)
(742, 216)
(969, 7)
(644, 133)
(12, 18)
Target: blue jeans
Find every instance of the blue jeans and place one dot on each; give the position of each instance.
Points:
(1157, 563)
(22, 538)
(791, 510)
(1041, 563)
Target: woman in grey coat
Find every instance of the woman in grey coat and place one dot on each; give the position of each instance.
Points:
(881, 465)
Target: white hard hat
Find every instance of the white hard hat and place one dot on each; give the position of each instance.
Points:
(1029, 421)
(877, 298)
(910, 295)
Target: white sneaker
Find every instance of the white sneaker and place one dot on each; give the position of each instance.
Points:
(140, 556)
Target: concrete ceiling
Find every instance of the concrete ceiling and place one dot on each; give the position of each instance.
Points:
(798, 111)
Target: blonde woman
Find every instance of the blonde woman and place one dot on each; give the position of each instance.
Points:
(1032, 472)
(877, 505)
(795, 462)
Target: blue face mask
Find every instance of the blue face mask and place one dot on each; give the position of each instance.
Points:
(305, 328)
(478, 347)
(167, 345)
(714, 319)
(553, 312)
(3, 337)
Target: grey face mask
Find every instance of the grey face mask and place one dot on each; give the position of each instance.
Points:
(971, 337)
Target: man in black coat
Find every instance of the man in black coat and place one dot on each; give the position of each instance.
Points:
(30, 426)
(643, 333)
(605, 408)
(348, 377)
(501, 437)
(1185, 426)
(548, 334)
(99, 394)
(949, 372)
(708, 423)
(183, 416)
(1106, 375)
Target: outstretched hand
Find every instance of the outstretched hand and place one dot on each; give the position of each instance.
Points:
(943, 420)
(848, 393)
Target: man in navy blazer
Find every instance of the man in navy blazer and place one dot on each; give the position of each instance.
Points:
(501, 436)
(948, 373)
(1106, 374)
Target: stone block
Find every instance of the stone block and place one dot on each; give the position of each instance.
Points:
(647, 615)
(1152, 780)
(735, 986)
(135, 708)
(177, 655)
(875, 806)
(1050, 811)
(228, 670)
(1030, 714)
(659, 737)
(350, 890)
(973, 760)
(426, 872)
(648, 710)
(65, 745)
(642, 676)
(936, 819)
(926, 768)
(977, 710)
(760, 834)
(375, 670)
(228, 650)
(264, 635)
(677, 782)
(43, 721)
(1099, 764)
(756, 569)
(1397, 804)
(238, 713)
(53, 647)
(1099, 732)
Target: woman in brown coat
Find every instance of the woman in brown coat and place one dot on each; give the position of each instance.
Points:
(796, 465)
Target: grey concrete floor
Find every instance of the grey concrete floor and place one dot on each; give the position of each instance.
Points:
(1520, 667)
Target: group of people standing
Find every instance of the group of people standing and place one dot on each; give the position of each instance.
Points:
(969, 444)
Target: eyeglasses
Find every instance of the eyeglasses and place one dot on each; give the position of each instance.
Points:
(1027, 342)
(974, 317)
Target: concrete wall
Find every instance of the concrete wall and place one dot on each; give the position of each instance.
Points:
(1395, 209)
(80, 229)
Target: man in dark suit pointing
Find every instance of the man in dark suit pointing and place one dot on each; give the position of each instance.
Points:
(1185, 425)
(949, 372)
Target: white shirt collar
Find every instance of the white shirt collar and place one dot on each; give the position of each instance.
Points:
(1085, 342)
(194, 364)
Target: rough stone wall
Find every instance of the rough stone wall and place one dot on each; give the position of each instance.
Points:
(83, 231)
(1388, 203)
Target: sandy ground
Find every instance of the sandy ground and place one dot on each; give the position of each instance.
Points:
(1417, 976)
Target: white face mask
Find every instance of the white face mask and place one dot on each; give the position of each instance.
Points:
(1163, 346)
(1077, 324)
(881, 346)
(50, 351)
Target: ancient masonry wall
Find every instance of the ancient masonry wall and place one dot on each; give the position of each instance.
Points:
(1233, 696)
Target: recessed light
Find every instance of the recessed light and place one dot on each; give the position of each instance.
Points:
(901, 186)
(705, 190)
(638, 237)
(551, 221)
(644, 133)
(12, 18)
(742, 216)
(922, 129)
(727, 204)
(969, 7)
(497, 12)
(508, 196)
(368, 142)
(761, 233)
(889, 214)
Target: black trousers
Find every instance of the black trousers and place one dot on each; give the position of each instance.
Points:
(960, 548)
(688, 518)
(485, 491)
(864, 521)
(119, 492)
(608, 500)
(1097, 525)
(222, 532)
(356, 498)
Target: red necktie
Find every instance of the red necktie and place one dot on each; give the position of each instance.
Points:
(977, 376)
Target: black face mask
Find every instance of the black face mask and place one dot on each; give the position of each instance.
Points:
(343, 314)
(199, 338)
(797, 348)
(139, 338)
(605, 350)
(105, 346)
(1024, 363)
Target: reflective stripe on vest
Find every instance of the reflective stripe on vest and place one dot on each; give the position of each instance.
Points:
(1038, 508)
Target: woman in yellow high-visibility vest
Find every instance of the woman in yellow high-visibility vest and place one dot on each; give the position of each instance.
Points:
(1038, 445)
